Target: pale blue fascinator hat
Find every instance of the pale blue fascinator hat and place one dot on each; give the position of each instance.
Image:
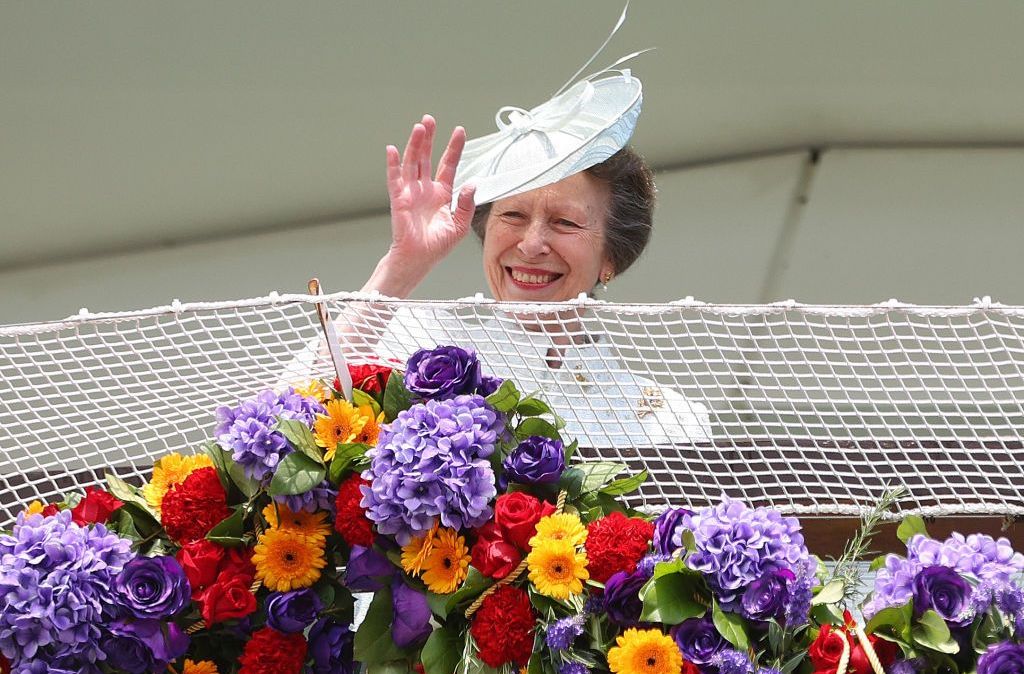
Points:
(584, 123)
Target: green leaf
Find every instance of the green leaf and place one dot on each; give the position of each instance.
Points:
(396, 397)
(532, 426)
(505, 398)
(301, 438)
(124, 526)
(373, 642)
(221, 460)
(832, 593)
(296, 474)
(674, 565)
(730, 626)
(572, 482)
(345, 455)
(533, 407)
(689, 540)
(877, 563)
(672, 598)
(443, 650)
(360, 397)
(790, 665)
(570, 450)
(893, 620)
(625, 485)
(931, 631)
(390, 667)
(827, 614)
(229, 531)
(910, 526)
(126, 492)
(442, 605)
(597, 474)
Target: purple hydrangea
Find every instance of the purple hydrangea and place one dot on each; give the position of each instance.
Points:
(911, 666)
(248, 430)
(668, 528)
(574, 668)
(431, 463)
(56, 588)
(561, 633)
(323, 497)
(736, 545)
(977, 557)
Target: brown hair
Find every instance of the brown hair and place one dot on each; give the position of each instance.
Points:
(630, 213)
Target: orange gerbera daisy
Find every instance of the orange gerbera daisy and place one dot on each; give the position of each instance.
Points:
(288, 560)
(448, 563)
(415, 554)
(314, 524)
(342, 424)
(371, 429)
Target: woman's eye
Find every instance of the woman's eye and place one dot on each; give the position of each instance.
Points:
(513, 215)
(568, 223)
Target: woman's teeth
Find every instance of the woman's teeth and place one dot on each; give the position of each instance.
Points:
(536, 279)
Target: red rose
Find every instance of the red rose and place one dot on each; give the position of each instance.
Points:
(226, 599)
(616, 543)
(193, 507)
(273, 652)
(201, 560)
(95, 508)
(369, 377)
(351, 520)
(492, 555)
(885, 650)
(516, 516)
(503, 627)
(827, 648)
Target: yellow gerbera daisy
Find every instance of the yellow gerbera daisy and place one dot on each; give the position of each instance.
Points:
(287, 560)
(201, 667)
(169, 471)
(342, 423)
(560, 527)
(34, 508)
(645, 652)
(371, 429)
(448, 563)
(314, 524)
(416, 552)
(557, 569)
(314, 389)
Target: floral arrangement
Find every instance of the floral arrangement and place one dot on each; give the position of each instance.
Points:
(478, 541)
(953, 606)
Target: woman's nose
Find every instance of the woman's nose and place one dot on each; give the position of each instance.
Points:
(534, 242)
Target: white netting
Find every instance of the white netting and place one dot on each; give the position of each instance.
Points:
(813, 409)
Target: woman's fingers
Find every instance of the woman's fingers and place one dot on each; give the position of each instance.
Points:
(410, 159)
(462, 216)
(394, 164)
(429, 126)
(450, 158)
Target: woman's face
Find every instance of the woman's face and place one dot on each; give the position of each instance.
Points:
(548, 244)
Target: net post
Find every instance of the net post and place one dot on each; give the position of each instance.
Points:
(333, 347)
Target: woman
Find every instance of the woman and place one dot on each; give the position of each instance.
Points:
(561, 205)
(551, 243)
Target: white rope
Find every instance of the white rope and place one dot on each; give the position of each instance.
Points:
(811, 408)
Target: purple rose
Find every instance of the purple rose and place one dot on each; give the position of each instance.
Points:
(411, 624)
(537, 460)
(139, 646)
(622, 597)
(943, 590)
(292, 612)
(698, 640)
(766, 597)
(666, 528)
(1004, 658)
(330, 646)
(489, 385)
(441, 373)
(153, 587)
(367, 570)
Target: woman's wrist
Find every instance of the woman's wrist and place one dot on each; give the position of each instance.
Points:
(395, 278)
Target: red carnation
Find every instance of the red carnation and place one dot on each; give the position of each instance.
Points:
(351, 521)
(503, 627)
(51, 509)
(616, 543)
(273, 652)
(369, 377)
(95, 508)
(193, 507)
